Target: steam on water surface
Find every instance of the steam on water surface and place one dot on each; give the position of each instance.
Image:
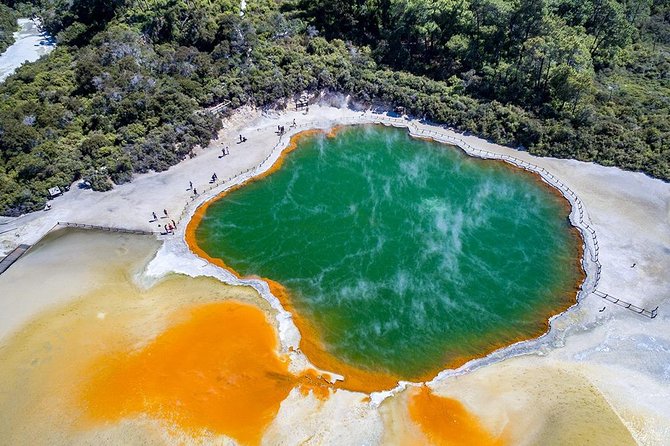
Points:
(405, 254)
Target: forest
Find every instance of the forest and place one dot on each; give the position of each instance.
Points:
(128, 87)
(7, 26)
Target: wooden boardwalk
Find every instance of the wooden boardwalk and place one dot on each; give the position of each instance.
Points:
(105, 228)
(651, 314)
(21, 249)
(13, 257)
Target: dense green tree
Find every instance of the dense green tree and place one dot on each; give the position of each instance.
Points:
(7, 26)
(127, 88)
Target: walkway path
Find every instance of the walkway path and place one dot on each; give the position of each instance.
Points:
(30, 45)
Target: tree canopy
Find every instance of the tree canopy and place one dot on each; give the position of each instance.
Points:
(127, 88)
(7, 26)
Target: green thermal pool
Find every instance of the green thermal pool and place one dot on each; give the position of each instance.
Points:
(406, 255)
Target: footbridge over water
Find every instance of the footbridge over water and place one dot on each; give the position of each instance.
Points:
(12, 257)
(105, 228)
(20, 250)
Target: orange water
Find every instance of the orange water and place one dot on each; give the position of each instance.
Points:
(219, 370)
(446, 422)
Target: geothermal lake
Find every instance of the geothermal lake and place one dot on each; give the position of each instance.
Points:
(404, 256)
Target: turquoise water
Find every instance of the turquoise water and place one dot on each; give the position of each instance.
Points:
(404, 254)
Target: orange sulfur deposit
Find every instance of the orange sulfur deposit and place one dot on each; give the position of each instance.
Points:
(218, 371)
(447, 422)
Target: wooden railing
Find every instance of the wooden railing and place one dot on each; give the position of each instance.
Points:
(105, 228)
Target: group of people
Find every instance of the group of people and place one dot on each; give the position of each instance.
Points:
(156, 217)
(170, 226)
(281, 129)
(190, 187)
(195, 191)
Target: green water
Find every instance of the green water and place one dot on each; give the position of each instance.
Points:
(405, 254)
